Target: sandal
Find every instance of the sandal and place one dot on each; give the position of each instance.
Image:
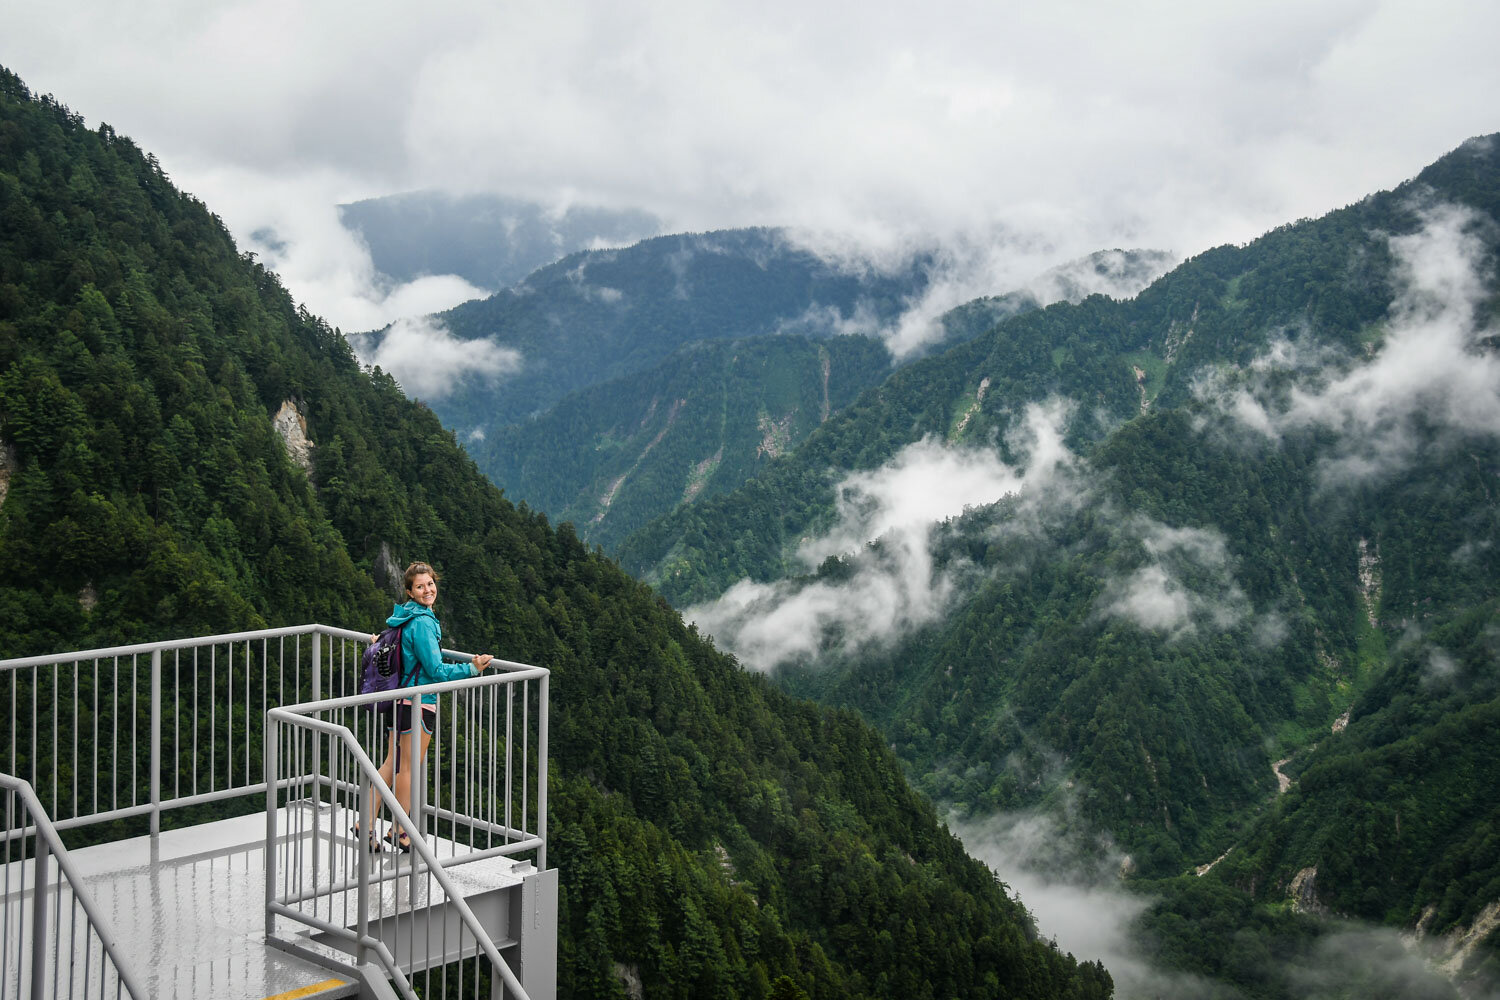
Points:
(400, 843)
(373, 844)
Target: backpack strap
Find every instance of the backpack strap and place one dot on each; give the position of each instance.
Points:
(407, 675)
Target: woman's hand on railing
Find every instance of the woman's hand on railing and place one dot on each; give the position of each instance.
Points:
(481, 662)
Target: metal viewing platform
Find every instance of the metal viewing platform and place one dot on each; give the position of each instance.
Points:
(267, 886)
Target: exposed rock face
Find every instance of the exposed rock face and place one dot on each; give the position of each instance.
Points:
(7, 467)
(776, 435)
(1369, 579)
(387, 571)
(1303, 892)
(630, 975)
(1282, 781)
(1461, 943)
(1202, 870)
(292, 426)
(963, 421)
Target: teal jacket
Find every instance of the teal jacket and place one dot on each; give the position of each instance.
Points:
(421, 644)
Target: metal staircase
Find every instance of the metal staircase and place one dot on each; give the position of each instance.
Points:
(256, 742)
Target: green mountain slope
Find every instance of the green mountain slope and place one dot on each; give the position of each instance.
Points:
(1330, 276)
(614, 456)
(1276, 502)
(1393, 819)
(147, 494)
(604, 314)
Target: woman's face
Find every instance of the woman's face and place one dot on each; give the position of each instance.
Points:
(423, 589)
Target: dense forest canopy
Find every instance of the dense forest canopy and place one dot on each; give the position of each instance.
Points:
(756, 381)
(1247, 518)
(715, 836)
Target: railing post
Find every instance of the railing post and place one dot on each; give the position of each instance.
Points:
(366, 829)
(39, 919)
(541, 791)
(416, 770)
(155, 742)
(317, 664)
(317, 693)
(268, 755)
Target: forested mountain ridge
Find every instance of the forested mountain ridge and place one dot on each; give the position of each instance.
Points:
(1250, 528)
(602, 314)
(1223, 307)
(147, 494)
(613, 456)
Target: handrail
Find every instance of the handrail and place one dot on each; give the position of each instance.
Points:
(142, 648)
(48, 843)
(370, 775)
(136, 729)
(91, 710)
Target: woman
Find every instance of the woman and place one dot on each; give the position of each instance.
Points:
(422, 658)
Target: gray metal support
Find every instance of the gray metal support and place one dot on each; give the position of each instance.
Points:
(541, 791)
(534, 926)
(317, 666)
(155, 742)
(268, 756)
(366, 827)
(39, 923)
(317, 692)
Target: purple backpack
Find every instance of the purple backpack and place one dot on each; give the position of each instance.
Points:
(381, 668)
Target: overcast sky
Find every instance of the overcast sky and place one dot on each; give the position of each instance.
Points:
(1074, 125)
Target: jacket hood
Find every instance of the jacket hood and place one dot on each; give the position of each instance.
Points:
(403, 613)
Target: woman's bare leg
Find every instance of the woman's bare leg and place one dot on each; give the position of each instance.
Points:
(373, 807)
(401, 784)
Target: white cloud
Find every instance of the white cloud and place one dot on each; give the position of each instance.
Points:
(895, 586)
(428, 361)
(1186, 584)
(1070, 887)
(578, 277)
(294, 227)
(1069, 882)
(1115, 273)
(1441, 667)
(1082, 124)
(1429, 373)
(961, 267)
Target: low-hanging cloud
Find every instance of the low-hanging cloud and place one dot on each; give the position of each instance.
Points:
(1432, 377)
(1069, 883)
(1186, 584)
(578, 277)
(1184, 126)
(972, 265)
(1068, 879)
(294, 228)
(894, 586)
(429, 362)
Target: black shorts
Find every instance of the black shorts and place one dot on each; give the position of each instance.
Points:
(403, 717)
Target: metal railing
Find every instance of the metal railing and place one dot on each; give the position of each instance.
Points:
(403, 909)
(132, 731)
(54, 941)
